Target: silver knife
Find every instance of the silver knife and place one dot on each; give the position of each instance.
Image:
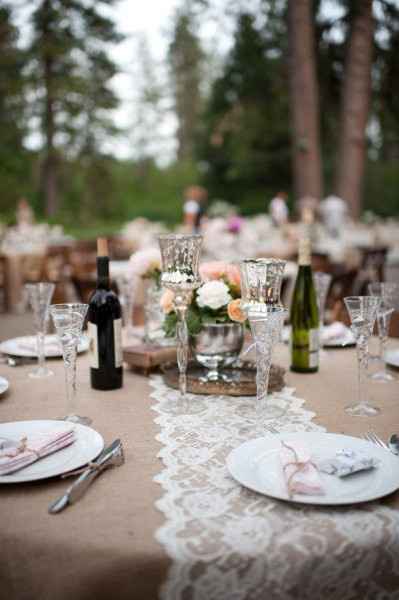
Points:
(111, 456)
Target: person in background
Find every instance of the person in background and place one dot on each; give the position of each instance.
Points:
(278, 209)
(194, 207)
(24, 215)
(333, 212)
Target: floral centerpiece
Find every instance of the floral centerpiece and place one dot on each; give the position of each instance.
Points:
(217, 300)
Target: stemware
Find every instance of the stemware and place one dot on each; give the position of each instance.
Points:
(39, 295)
(68, 321)
(126, 295)
(180, 261)
(362, 312)
(266, 325)
(261, 280)
(322, 283)
(389, 294)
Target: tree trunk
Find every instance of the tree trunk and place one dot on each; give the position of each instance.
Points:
(304, 101)
(49, 170)
(355, 106)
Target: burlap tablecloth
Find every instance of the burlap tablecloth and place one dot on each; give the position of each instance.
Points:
(104, 546)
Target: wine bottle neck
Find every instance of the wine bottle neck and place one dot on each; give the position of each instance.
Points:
(103, 272)
(304, 258)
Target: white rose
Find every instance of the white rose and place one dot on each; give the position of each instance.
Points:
(214, 294)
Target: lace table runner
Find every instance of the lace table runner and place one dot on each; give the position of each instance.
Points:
(228, 543)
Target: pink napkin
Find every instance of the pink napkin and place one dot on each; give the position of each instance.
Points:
(300, 473)
(27, 450)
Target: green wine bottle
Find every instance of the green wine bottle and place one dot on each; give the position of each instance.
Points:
(304, 317)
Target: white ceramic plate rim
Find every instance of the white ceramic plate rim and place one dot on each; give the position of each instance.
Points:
(244, 469)
(87, 446)
(4, 385)
(12, 347)
(392, 357)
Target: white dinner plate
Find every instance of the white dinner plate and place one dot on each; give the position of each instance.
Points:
(343, 341)
(86, 447)
(256, 465)
(392, 358)
(26, 346)
(4, 385)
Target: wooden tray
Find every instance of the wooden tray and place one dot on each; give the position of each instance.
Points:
(148, 356)
(243, 379)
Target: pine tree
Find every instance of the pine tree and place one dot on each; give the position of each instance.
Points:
(70, 74)
(13, 158)
(186, 57)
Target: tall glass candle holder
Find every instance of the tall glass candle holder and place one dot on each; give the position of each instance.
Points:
(180, 273)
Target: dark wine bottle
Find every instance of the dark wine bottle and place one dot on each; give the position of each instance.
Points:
(105, 328)
(304, 317)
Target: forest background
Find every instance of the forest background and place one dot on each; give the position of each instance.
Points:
(291, 64)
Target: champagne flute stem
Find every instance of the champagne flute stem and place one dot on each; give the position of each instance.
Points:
(69, 355)
(41, 357)
(362, 363)
(182, 348)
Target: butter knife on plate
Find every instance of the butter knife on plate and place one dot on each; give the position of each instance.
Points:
(111, 456)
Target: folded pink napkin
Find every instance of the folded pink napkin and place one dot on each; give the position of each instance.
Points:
(15, 456)
(300, 473)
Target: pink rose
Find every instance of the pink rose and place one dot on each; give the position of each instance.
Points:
(166, 301)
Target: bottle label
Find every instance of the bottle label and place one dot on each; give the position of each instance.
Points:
(313, 340)
(93, 345)
(118, 342)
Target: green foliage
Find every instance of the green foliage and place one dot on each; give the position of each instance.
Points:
(246, 143)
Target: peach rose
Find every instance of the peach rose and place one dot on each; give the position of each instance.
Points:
(217, 269)
(233, 275)
(234, 311)
(210, 271)
(167, 301)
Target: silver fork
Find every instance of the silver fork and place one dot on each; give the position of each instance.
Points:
(372, 437)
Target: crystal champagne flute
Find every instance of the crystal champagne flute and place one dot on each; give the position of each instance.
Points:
(362, 312)
(322, 283)
(39, 295)
(389, 294)
(68, 321)
(266, 326)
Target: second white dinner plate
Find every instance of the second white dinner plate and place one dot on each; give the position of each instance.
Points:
(25, 346)
(87, 446)
(4, 385)
(392, 358)
(345, 340)
(256, 465)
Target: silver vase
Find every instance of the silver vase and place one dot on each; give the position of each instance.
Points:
(217, 345)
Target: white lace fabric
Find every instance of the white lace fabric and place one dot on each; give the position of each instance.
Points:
(228, 543)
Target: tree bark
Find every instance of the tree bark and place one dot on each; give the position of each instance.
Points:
(304, 101)
(355, 107)
(49, 169)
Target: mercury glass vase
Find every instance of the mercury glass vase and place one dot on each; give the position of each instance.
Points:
(180, 273)
(261, 280)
